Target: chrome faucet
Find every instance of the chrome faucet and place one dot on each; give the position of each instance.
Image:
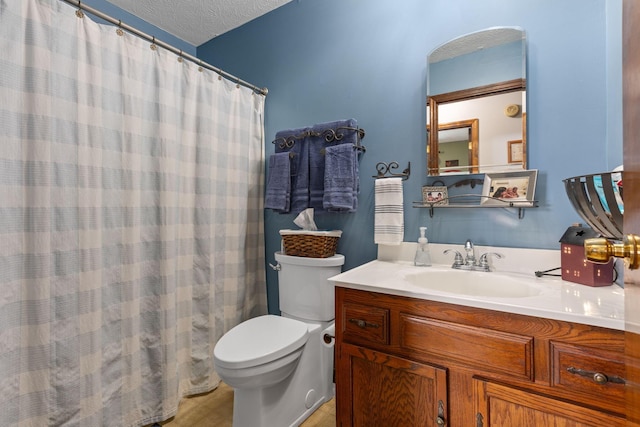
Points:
(470, 259)
(469, 262)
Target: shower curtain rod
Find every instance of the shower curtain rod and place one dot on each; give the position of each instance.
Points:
(120, 24)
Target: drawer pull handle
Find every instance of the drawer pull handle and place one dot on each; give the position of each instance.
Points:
(597, 377)
(364, 324)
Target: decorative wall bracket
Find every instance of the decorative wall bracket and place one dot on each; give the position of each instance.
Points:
(385, 171)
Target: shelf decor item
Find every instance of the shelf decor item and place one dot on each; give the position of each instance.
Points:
(435, 195)
(509, 188)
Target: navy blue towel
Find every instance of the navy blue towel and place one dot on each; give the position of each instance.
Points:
(278, 191)
(341, 180)
(299, 166)
(324, 135)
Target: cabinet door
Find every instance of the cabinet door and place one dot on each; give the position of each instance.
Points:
(501, 406)
(375, 389)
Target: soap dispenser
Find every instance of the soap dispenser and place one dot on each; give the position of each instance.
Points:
(423, 255)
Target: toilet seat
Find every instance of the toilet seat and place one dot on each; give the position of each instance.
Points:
(259, 340)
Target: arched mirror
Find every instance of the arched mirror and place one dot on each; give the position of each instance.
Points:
(478, 78)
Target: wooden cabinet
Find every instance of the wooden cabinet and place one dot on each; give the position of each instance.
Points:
(416, 393)
(410, 362)
(500, 405)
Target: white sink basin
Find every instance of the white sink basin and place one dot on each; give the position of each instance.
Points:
(473, 283)
(513, 288)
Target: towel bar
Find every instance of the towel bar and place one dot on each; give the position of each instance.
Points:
(384, 171)
(330, 135)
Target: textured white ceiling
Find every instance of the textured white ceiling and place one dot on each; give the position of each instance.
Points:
(198, 21)
(475, 41)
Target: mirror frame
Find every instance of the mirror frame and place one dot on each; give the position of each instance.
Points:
(474, 136)
(434, 101)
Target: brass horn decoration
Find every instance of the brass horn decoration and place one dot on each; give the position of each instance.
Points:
(601, 250)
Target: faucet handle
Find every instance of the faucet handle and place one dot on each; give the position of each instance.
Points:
(484, 258)
(457, 261)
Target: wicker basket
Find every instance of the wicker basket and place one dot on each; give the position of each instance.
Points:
(310, 244)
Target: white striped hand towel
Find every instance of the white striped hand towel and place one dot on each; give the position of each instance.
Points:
(389, 212)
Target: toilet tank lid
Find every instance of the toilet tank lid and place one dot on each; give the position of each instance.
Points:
(259, 340)
(331, 261)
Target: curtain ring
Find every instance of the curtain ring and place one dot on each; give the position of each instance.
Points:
(153, 43)
(79, 12)
(180, 57)
(119, 30)
(200, 66)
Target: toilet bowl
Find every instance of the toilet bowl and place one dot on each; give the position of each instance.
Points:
(277, 365)
(260, 352)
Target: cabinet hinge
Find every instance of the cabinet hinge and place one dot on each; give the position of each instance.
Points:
(479, 420)
(440, 420)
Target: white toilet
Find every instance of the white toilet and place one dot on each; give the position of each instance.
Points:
(277, 365)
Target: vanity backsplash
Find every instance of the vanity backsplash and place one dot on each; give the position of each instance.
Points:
(514, 260)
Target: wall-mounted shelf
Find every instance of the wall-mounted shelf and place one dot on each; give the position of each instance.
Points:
(521, 205)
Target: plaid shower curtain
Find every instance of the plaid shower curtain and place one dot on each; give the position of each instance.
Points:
(131, 234)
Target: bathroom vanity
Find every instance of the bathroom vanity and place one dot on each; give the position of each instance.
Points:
(412, 354)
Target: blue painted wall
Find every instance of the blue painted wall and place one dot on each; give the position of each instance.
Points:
(483, 67)
(332, 59)
(328, 59)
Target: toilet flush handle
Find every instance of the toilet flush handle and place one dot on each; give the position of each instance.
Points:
(276, 267)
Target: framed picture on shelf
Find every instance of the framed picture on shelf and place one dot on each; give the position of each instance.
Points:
(515, 151)
(507, 188)
(435, 195)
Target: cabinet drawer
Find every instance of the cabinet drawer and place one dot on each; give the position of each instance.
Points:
(365, 324)
(590, 375)
(493, 351)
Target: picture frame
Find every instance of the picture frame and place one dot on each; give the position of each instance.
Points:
(515, 151)
(435, 195)
(509, 188)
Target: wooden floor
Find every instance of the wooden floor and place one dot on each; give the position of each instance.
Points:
(215, 409)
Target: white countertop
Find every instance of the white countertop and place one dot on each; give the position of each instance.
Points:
(553, 299)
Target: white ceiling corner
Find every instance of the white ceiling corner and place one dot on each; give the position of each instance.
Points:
(198, 21)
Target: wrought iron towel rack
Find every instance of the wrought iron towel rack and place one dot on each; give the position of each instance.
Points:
(384, 171)
(329, 135)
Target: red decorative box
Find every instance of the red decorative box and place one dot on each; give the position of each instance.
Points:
(575, 266)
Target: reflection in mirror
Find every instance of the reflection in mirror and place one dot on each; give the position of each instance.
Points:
(458, 147)
(480, 77)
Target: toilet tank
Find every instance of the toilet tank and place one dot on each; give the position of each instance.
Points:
(304, 290)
